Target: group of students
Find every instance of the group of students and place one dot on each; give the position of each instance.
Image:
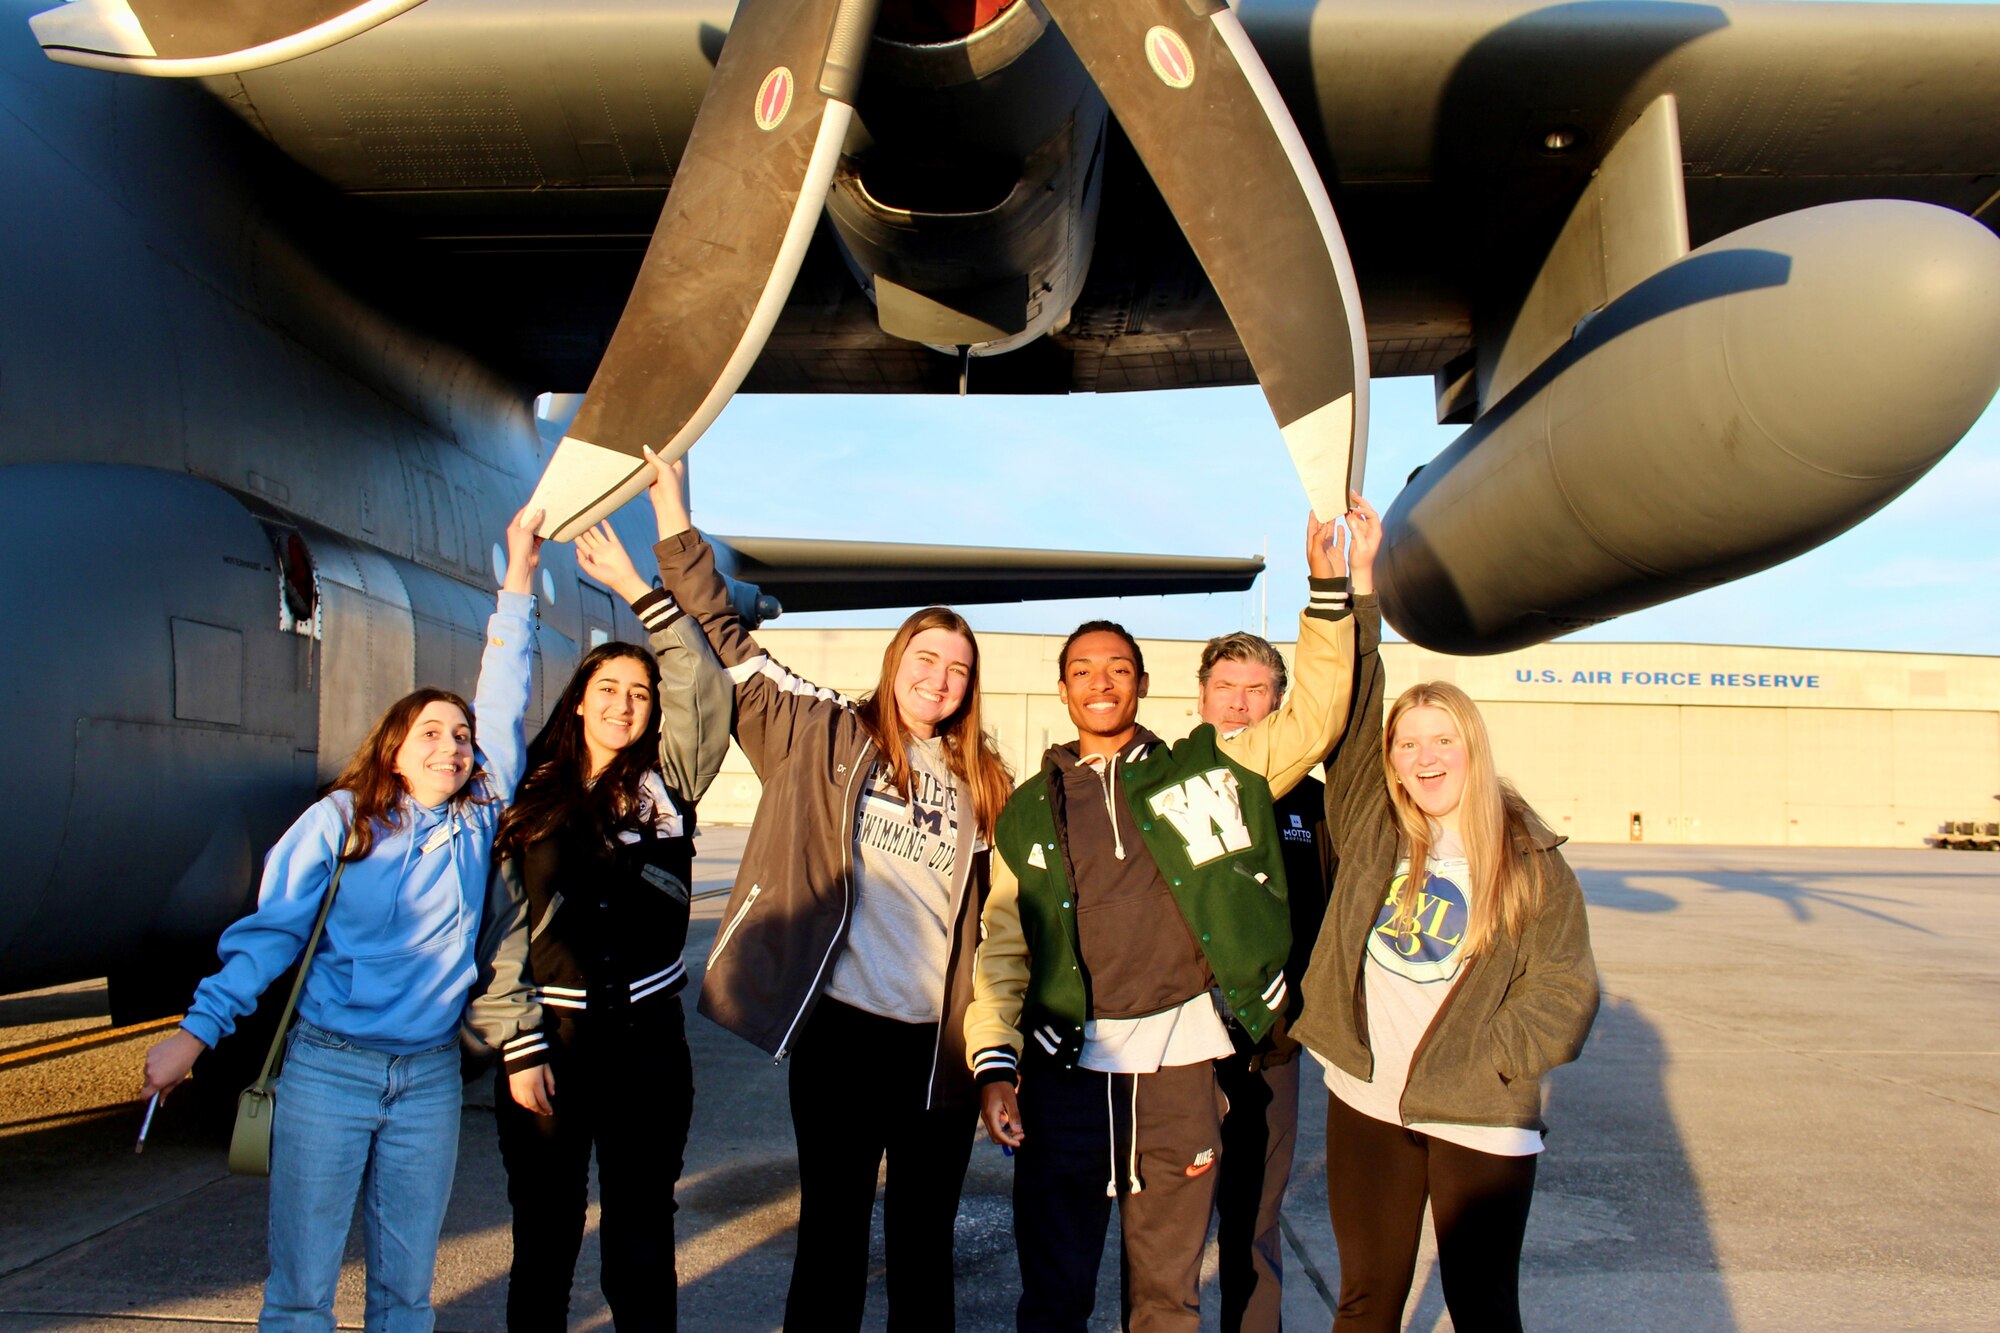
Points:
(1114, 965)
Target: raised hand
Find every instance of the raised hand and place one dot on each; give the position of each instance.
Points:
(601, 555)
(1364, 528)
(524, 551)
(1324, 558)
(668, 493)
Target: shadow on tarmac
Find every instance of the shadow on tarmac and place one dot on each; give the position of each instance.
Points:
(1620, 1236)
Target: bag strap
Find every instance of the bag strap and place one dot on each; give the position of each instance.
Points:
(305, 964)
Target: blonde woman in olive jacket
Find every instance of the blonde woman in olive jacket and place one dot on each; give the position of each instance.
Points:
(1437, 1009)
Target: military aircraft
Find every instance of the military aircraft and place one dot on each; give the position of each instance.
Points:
(1708, 284)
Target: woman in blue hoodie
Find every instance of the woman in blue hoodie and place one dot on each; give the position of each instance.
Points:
(369, 1098)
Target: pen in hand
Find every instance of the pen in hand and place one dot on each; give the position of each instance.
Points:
(152, 1105)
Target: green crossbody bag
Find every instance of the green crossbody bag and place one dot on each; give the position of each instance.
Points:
(257, 1105)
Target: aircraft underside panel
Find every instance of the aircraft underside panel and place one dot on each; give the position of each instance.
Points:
(139, 801)
(525, 152)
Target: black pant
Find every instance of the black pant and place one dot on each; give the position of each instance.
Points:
(859, 1084)
(1377, 1176)
(1149, 1140)
(624, 1083)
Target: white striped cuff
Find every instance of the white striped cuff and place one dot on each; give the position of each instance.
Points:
(657, 610)
(1328, 598)
(994, 1064)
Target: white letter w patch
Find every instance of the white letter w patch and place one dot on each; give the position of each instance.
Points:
(1207, 811)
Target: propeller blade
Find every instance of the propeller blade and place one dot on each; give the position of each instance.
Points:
(191, 39)
(1196, 101)
(742, 209)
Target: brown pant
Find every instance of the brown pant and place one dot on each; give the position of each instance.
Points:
(1259, 1137)
(1152, 1142)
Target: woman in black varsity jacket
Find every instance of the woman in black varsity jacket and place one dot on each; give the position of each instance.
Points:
(588, 913)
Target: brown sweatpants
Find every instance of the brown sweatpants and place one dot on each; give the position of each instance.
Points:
(1152, 1142)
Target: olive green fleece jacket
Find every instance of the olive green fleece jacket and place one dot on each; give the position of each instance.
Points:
(1026, 975)
(1520, 1008)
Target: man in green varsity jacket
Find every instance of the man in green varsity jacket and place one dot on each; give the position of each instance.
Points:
(1137, 908)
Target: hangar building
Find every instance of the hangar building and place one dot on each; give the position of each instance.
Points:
(1612, 742)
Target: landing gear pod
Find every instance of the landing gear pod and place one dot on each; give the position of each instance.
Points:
(1745, 404)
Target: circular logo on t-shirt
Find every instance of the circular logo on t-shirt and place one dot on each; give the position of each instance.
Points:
(1428, 950)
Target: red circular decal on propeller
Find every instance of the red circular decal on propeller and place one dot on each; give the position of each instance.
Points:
(774, 98)
(1170, 58)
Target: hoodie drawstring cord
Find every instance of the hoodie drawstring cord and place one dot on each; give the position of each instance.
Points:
(1111, 807)
(1132, 1180)
(1133, 1185)
(1111, 1141)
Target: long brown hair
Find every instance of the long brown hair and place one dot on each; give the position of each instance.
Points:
(371, 774)
(1492, 817)
(968, 750)
(557, 789)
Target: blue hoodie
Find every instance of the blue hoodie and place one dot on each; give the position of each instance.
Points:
(392, 970)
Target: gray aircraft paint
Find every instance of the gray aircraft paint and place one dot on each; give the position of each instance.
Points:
(209, 353)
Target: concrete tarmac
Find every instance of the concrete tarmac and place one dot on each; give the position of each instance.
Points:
(1785, 1119)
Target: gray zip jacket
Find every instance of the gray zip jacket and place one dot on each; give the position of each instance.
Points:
(694, 702)
(788, 915)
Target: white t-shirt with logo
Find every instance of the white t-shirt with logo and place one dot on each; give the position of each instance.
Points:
(1406, 980)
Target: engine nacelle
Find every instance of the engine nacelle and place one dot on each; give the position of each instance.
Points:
(1743, 405)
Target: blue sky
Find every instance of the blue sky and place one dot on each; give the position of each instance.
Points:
(1204, 472)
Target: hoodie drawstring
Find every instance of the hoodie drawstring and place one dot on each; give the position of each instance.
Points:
(1132, 1169)
(1111, 1141)
(1111, 807)
(1133, 1185)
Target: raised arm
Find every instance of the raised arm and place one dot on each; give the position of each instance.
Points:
(1354, 782)
(770, 700)
(500, 705)
(696, 695)
(1294, 738)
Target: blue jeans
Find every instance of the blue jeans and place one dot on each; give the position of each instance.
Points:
(354, 1121)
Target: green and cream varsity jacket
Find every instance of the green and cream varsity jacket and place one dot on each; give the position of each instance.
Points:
(1203, 807)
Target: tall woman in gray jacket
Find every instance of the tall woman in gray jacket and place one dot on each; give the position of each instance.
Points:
(1452, 971)
(847, 943)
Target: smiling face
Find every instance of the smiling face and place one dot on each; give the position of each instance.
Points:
(1429, 759)
(435, 759)
(1238, 693)
(617, 701)
(931, 680)
(1101, 686)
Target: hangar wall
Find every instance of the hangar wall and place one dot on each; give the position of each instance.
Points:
(1697, 743)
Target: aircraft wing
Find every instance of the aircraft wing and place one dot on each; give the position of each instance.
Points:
(809, 575)
(522, 155)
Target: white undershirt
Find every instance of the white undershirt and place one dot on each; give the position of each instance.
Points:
(1406, 981)
(1185, 1035)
